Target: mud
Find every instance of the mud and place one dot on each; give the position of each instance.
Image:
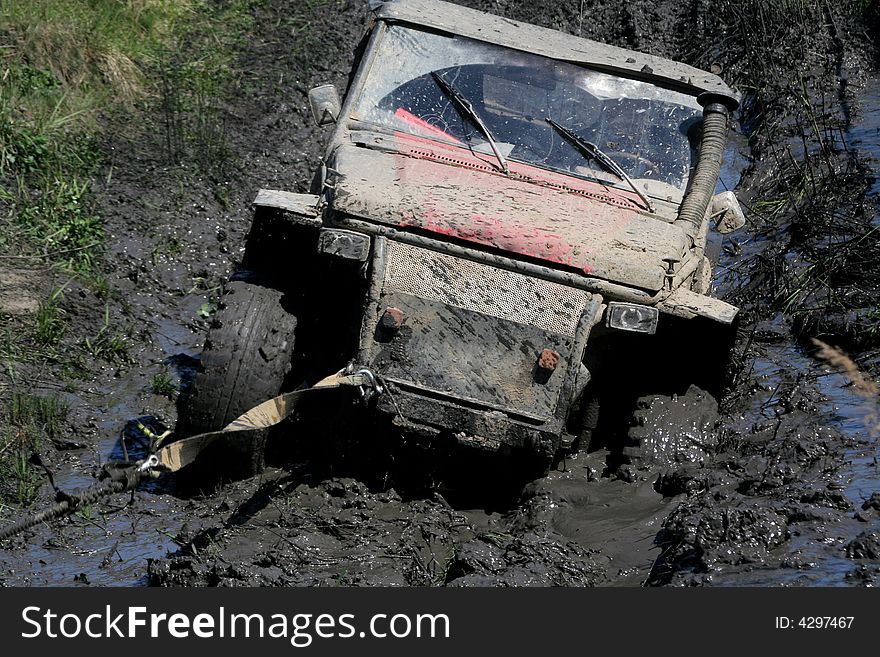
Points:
(788, 496)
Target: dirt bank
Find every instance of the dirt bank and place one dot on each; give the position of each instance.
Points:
(777, 504)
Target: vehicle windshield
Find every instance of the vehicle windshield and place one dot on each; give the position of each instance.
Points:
(649, 131)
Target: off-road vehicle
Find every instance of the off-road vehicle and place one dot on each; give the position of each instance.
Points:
(508, 229)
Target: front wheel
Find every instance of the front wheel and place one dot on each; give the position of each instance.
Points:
(666, 430)
(247, 356)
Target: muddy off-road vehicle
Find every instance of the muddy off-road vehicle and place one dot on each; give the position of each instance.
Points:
(508, 229)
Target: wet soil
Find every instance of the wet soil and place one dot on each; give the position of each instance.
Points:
(789, 496)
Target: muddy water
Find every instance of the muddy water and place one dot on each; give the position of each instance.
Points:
(104, 544)
(109, 543)
(816, 553)
(571, 527)
(864, 134)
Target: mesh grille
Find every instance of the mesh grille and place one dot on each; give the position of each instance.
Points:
(484, 289)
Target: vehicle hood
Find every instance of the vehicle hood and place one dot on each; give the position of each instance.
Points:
(532, 213)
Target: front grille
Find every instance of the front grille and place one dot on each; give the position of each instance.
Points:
(484, 289)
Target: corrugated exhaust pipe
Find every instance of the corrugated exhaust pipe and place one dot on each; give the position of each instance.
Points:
(716, 120)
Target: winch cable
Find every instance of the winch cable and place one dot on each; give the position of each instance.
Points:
(178, 454)
(128, 479)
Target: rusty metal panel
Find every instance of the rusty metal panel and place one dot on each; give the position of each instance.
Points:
(468, 356)
(584, 226)
(688, 304)
(481, 288)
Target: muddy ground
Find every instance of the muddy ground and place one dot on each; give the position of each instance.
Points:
(790, 497)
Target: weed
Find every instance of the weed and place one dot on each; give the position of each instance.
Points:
(29, 420)
(166, 245)
(45, 415)
(191, 118)
(192, 79)
(22, 149)
(12, 347)
(187, 546)
(60, 221)
(63, 60)
(221, 195)
(99, 285)
(161, 384)
(207, 310)
(106, 345)
(92, 45)
(49, 327)
(27, 479)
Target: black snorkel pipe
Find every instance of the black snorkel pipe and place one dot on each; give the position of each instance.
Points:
(717, 109)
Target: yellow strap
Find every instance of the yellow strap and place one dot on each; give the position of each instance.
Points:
(181, 453)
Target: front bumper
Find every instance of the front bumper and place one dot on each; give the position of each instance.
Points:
(490, 356)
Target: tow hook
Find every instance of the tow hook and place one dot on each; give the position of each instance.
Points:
(371, 385)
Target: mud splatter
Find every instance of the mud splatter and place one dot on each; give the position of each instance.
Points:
(788, 495)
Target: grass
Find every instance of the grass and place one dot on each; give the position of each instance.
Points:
(49, 326)
(107, 344)
(45, 414)
(96, 44)
(68, 70)
(166, 246)
(29, 422)
(809, 192)
(67, 60)
(64, 62)
(191, 81)
(162, 384)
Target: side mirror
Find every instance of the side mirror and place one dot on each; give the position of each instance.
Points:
(325, 104)
(727, 213)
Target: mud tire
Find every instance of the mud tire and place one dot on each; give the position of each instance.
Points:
(247, 356)
(589, 422)
(666, 430)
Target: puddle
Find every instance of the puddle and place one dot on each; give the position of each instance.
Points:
(864, 133)
(110, 543)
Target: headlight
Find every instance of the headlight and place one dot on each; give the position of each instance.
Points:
(632, 317)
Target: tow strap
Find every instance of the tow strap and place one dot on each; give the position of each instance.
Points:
(181, 453)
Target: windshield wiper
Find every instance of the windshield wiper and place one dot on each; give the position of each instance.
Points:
(467, 110)
(592, 151)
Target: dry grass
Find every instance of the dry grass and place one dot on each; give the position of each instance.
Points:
(61, 62)
(862, 385)
(91, 47)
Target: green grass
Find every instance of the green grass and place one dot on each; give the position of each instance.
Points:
(94, 46)
(68, 69)
(107, 344)
(162, 384)
(29, 421)
(49, 326)
(45, 414)
(63, 62)
(191, 82)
